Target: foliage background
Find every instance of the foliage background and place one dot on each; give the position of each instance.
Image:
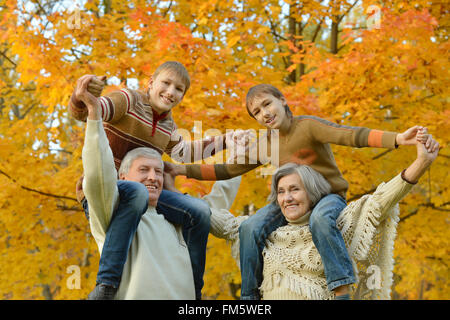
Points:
(334, 59)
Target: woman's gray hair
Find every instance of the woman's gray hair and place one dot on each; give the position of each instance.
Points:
(315, 184)
(132, 155)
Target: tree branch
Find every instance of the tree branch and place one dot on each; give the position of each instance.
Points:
(273, 27)
(37, 191)
(357, 196)
(382, 154)
(316, 32)
(348, 10)
(168, 9)
(409, 215)
(7, 58)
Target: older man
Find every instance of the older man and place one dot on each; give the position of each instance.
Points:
(158, 264)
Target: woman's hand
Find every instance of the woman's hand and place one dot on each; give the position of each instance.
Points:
(423, 161)
(428, 152)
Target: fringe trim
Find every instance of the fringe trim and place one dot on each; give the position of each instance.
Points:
(386, 256)
(298, 284)
(364, 233)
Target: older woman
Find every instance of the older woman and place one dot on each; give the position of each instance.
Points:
(292, 265)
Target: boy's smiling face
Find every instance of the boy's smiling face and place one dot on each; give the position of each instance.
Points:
(269, 111)
(165, 91)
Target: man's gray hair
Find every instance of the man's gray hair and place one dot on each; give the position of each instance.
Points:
(315, 184)
(142, 152)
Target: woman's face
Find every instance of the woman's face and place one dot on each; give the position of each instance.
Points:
(292, 197)
(269, 111)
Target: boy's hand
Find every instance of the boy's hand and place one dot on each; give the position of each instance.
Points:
(242, 138)
(91, 102)
(96, 85)
(409, 137)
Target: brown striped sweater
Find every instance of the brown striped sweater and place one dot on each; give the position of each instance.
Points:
(307, 142)
(130, 122)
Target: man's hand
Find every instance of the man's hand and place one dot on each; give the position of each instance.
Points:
(96, 85)
(92, 103)
(174, 169)
(169, 183)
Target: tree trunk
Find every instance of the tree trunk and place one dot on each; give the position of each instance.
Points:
(107, 4)
(292, 34)
(334, 35)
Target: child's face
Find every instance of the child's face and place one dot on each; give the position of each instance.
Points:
(165, 91)
(269, 111)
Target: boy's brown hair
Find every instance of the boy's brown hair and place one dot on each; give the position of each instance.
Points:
(177, 68)
(268, 89)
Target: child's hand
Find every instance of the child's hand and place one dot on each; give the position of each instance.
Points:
(242, 138)
(91, 102)
(409, 137)
(96, 85)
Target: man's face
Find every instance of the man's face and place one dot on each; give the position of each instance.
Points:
(149, 172)
(165, 91)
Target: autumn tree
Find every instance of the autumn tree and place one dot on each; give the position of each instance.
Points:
(328, 57)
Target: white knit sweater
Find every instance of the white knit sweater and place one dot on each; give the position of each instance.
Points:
(158, 265)
(292, 265)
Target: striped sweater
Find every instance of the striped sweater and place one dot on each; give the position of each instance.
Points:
(307, 142)
(130, 122)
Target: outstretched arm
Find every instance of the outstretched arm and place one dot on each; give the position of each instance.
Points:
(325, 131)
(244, 158)
(426, 154)
(393, 191)
(100, 176)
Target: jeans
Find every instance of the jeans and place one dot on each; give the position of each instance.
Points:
(122, 227)
(192, 214)
(326, 237)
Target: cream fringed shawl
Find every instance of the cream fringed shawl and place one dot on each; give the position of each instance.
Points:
(292, 265)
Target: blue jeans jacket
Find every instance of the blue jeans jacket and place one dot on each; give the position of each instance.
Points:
(327, 238)
(191, 213)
